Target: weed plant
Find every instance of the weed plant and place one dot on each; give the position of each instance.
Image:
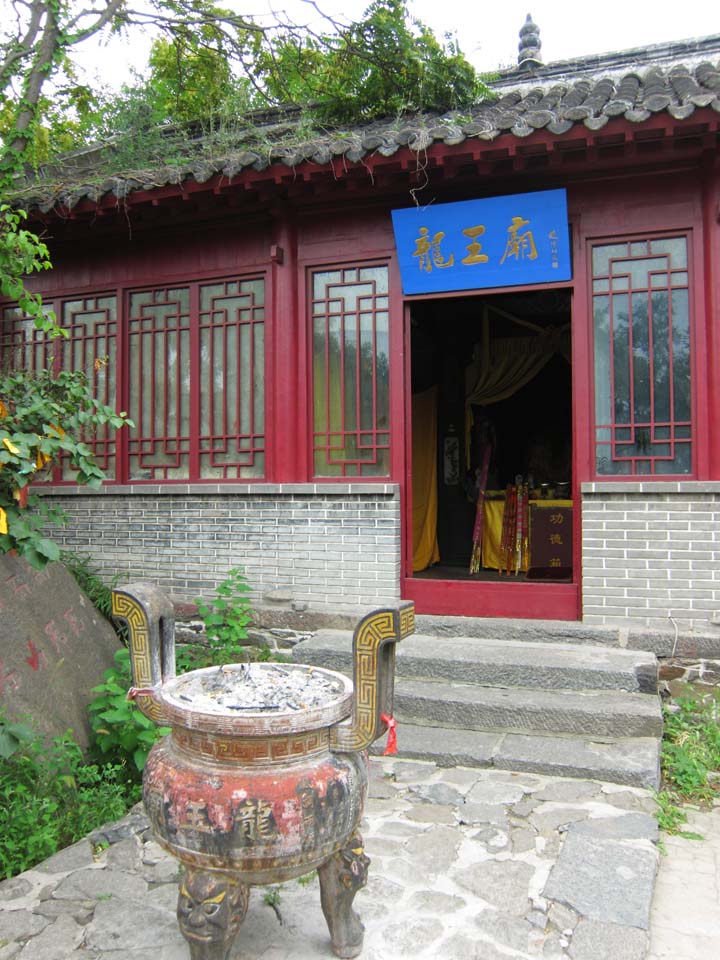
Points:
(226, 617)
(690, 758)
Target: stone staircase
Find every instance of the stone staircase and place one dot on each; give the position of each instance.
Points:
(576, 709)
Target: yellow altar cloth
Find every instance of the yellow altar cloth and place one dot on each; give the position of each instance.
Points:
(493, 512)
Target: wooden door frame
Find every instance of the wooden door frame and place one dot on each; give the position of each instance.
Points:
(543, 601)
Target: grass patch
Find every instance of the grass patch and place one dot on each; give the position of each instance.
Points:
(690, 760)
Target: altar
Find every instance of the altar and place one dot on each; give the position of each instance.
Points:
(549, 534)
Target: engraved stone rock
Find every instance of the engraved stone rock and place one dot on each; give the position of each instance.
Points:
(54, 647)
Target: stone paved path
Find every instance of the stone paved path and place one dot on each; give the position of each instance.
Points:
(686, 907)
(466, 865)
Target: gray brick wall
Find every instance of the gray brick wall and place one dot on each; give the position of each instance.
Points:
(651, 553)
(328, 545)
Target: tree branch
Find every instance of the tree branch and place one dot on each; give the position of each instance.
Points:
(47, 50)
(20, 48)
(104, 17)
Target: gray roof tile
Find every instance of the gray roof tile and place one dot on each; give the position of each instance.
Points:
(554, 98)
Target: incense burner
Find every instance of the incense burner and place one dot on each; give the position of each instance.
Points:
(245, 795)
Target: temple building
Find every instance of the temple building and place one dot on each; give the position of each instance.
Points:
(471, 360)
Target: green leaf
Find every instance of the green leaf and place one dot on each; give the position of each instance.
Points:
(8, 744)
(49, 549)
(116, 716)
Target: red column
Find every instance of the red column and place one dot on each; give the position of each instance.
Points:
(710, 240)
(286, 407)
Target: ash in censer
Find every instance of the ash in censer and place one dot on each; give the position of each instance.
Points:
(248, 687)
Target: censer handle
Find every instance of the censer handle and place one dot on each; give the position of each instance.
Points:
(150, 620)
(373, 676)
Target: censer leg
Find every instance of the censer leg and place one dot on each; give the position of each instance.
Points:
(340, 879)
(211, 907)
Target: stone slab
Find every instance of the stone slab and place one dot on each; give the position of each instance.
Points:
(493, 662)
(610, 881)
(599, 941)
(447, 746)
(502, 884)
(628, 826)
(634, 761)
(608, 713)
(658, 640)
(134, 924)
(54, 647)
(59, 939)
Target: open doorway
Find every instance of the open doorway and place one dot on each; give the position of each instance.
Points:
(492, 438)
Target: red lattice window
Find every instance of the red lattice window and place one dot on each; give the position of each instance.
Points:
(642, 357)
(91, 323)
(351, 405)
(198, 404)
(188, 364)
(232, 379)
(159, 381)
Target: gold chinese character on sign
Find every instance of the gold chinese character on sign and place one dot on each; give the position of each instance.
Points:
(429, 253)
(474, 255)
(556, 538)
(422, 250)
(555, 562)
(557, 518)
(519, 245)
(437, 257)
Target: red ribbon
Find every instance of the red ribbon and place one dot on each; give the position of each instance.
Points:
(139, 692)
(391, 722)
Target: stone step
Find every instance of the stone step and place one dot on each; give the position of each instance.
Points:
(633, 761)
(663, 642)
(534, 631)
(553, 708)
(599, 713)
(503, 663)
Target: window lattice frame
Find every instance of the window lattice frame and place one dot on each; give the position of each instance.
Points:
(642, 331)
(163, 358)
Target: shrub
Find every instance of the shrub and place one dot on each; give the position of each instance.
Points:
(98, 592)
(50, 797)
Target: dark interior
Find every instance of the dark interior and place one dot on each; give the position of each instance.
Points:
(530, 431)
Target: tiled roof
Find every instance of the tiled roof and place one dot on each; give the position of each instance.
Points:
(672, 79)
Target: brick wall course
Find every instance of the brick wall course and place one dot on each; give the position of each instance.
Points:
(650, 554)
(337, 547)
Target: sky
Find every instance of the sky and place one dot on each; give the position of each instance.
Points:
(487, 33)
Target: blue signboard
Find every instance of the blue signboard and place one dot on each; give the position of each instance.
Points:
(495, 242)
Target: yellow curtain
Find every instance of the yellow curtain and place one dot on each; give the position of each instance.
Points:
(424, 479)
(503, 367)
